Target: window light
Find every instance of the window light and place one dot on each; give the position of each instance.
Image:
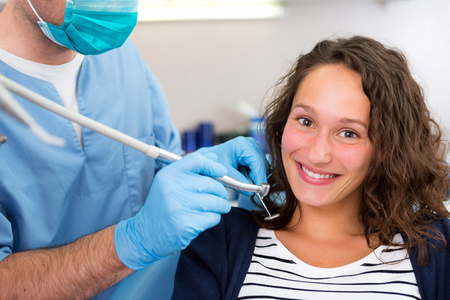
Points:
(182, 10)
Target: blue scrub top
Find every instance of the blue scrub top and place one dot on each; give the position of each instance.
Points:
(50, 196)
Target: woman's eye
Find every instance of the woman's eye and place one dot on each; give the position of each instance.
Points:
(305, 122)
(349, 134)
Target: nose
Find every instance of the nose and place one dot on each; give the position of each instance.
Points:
(320, 149)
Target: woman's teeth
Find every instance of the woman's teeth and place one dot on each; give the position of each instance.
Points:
(317, 176)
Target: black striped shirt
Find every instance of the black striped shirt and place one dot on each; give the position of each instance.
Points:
(275, 273)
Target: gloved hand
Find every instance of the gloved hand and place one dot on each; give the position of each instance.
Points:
(181, 204)
(243, 151)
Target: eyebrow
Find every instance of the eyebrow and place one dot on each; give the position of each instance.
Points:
(305, 107)
(354, 121)
(343, 120)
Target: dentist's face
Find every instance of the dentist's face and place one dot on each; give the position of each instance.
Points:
(326, 149)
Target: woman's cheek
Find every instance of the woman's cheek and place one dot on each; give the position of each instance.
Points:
(292, 139)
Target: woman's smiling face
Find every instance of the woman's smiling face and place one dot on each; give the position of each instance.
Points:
(325, 145)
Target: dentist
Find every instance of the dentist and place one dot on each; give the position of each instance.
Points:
(76, 220)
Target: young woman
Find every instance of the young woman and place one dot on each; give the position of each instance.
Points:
(359, 180)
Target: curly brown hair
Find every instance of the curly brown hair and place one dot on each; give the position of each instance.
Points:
(406, 185)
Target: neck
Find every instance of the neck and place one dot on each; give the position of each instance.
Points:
(326, 237)
(327, 222)
(21, 35)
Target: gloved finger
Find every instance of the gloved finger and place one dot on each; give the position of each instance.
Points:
(250, 155)
(243, 151)
(231, 171)
(200, 164)
(197, 184)
(209, 186)
(205, 220)
(201, 222)
(183, 187)
(208, 203)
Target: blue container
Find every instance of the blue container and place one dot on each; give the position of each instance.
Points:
(205, 135)
(189, 138)
(257, 131)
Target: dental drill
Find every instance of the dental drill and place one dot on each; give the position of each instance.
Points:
(149, 150)
(260, 198)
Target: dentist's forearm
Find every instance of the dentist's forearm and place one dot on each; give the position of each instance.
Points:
(79, 270)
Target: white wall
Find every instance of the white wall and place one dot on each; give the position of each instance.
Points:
(207, 67)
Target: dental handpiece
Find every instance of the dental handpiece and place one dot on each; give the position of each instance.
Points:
(149, 150)
(260, 198)
(168, 157)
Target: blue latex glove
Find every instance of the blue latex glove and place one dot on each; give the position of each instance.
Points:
(181, 204)
(243, 151)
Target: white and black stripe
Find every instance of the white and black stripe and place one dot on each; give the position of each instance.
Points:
(275, 273)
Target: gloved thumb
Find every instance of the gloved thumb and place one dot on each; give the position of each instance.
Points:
(201, 164)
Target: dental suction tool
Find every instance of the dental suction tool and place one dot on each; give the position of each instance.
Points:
(9, 105)
(149, 150)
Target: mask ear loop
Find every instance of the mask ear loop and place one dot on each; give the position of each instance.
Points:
(35, 12)
(44, 26)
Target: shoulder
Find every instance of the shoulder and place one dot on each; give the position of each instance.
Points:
(234, 228)
(441, 229)
(237, 221)
(215, 264)
(127, 48)
(432, 278)
(237, 217)
(126, 57)
(442, 226)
